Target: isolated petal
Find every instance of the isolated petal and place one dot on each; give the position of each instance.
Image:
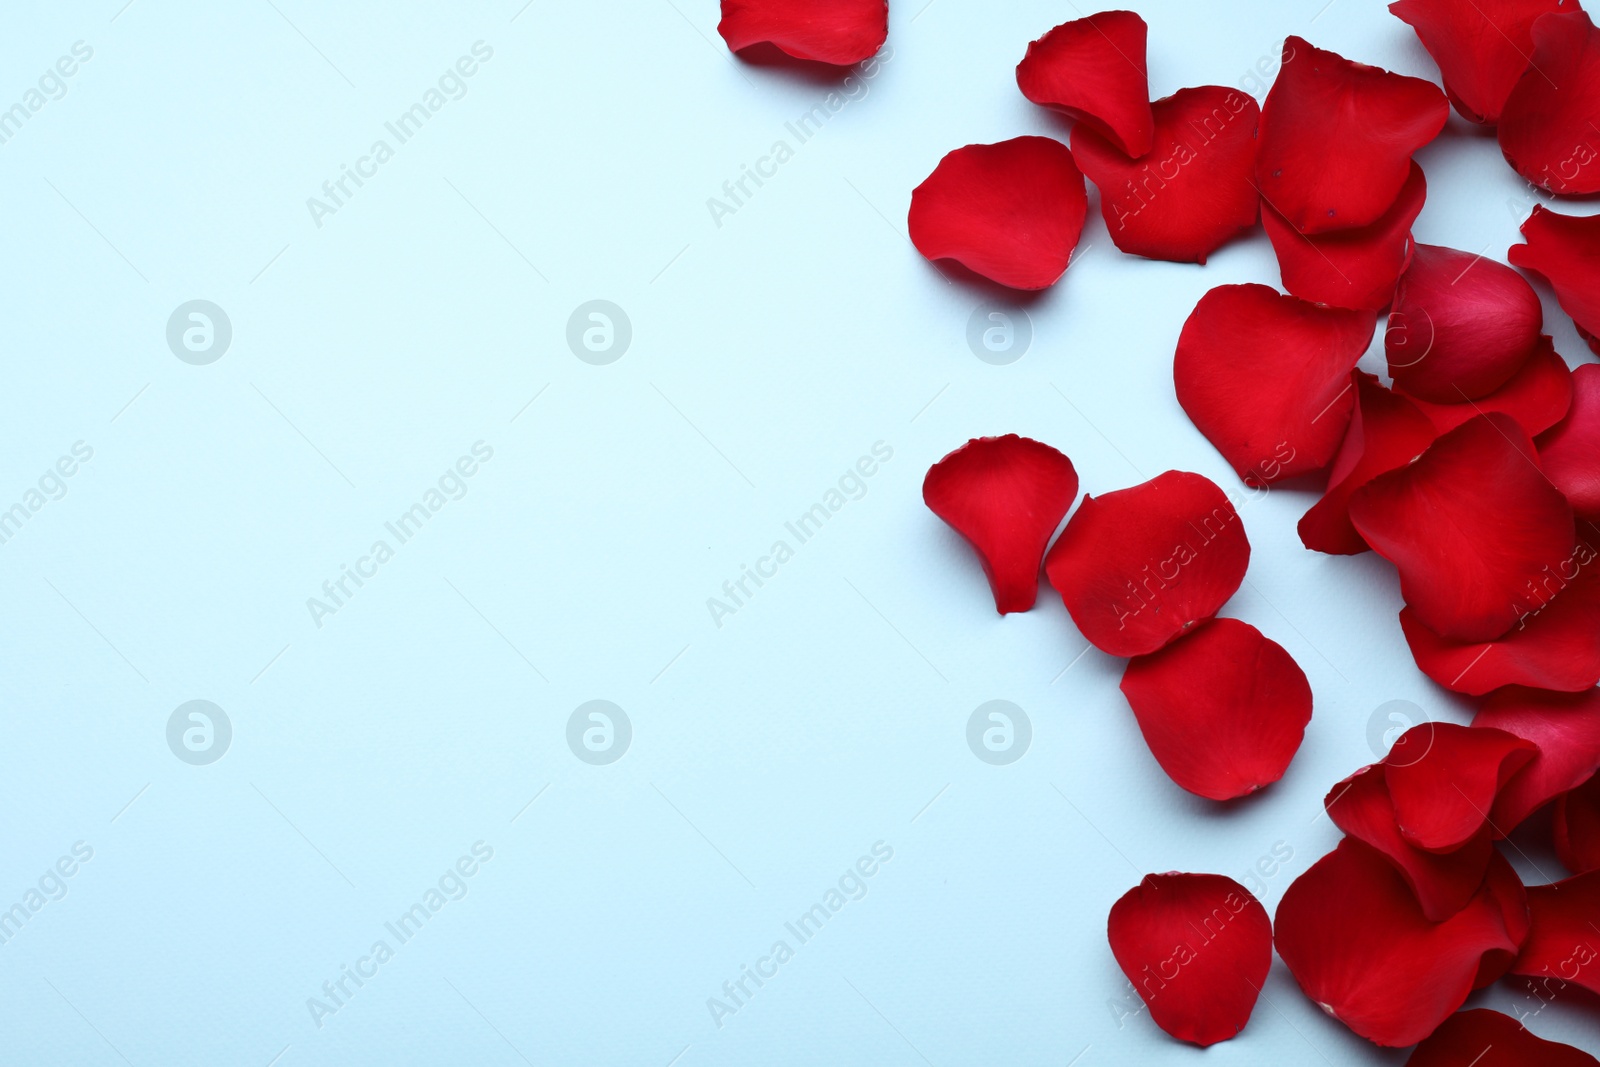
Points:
(1011, 212)
(1563, 943)
(1537, 396)
(1484, 1038)
(1547, 130)
(1005, 495)
(1266, 378)
(1337, 138)
(1577, 827)
(1443, 779)
(1197, 947)
(1194, 190)
(1223, 710)
(1093, 69)
(1139, 567)
(1469, 525)
(828, 31)
(1481, 47)
(1565, 249)
(1569, 451)
(1565, 726)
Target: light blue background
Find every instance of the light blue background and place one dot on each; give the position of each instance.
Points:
(768, 354)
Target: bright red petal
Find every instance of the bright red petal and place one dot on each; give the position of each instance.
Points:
(1565, 726)
(1093, 69)
(1481, 47)
(1194, 191)
(1386, 431)
(1563, 943)
(1337, 138)
(1138, 567)
(1358, 944)
(1461, 326)
(1005, 495)
(1484, 1038)
(1507, 894)
(1266, 378)
(1569, 452)
(1547, 130)
(1350, 268)
(1197, 947)
(1223, 710)
(1537, 396)
(1565, 249)
(1011, 212)
(1443, 779)
(840, 32)
(1469, 525)
(1577, 827)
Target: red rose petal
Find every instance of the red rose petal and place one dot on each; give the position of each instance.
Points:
(1537, 396)
(1354, 938)
(1484, 1038)
(1546, 129)
(1011, 212)
(840, 32)
(1569, 452)
(1481, 47)
(1266, 378)
(1565, 249)
(1194, 191)
(1223, 710)
(1197, 947)
(1093, 69)
(1138, 567)
(1577, 827)
(1375, 118)
(1461, 326)
(1350, 268)
(1386, 431)
(1506, 892)
(1563, 943)
(1468, 525)
(1443, 779)
(1565, 726)
(1005, 495)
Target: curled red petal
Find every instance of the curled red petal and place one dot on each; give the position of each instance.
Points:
(1011, 212)
(1469, 525)
(1197, 947)
(1565, 249)
(1223, 710)
(1350, 268)
(840, 32)
(1354, 938)
(1577, 827)
(1546, 128)
(1093, 69)
(1386, 431)
(1138, 567)
(1565, 727)
(1484, 1038)
(1005, 495)
(1266, 378)
(1507, 893)
(1461, 325)
(1193, 191)
(1563, 944)
(1443, 779)
(1569, 451)
(1482, 48)
(1375, 118)
(1537, 396)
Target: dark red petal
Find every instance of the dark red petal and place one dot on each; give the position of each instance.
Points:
(840, 32)
(1484, 1038)
(1443, 779)
(1468, 525)
(1386, 431)
(1194, 191)
(1565, 726)
(1563, 943)
(1011, 212)
(1337, 138)
(1537, 396)
(1577, 827)
(1093, 69)
(1197, 947)
(1266, 378)
(1350, 268)
(1554, 645)
(1507, 893)
(1569, 452)
(1461, 325)
(1354, 938)
(1005, 495)
(1481, 47)
(1223, 710)
(1547, 130)
(1565, 249)
(1138, 567)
